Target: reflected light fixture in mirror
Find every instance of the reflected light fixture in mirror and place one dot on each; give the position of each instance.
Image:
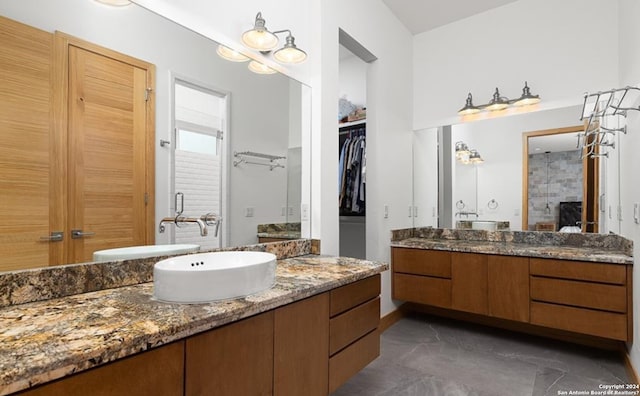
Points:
(230, 55)
(499, 102)
(467, 156)
(115, 3)
(259, 68)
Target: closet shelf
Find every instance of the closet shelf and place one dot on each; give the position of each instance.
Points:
(244, 157)
(352, 123)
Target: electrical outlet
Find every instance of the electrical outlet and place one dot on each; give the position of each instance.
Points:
(516, 212)
(410, 211)
(283, 211)
(248, 211)
(386, 211)
(304, 212)
(290, 211)
(636, 213)
(434, 212)
(415, 211)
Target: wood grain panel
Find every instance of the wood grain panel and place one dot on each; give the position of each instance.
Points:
(422, 289)
(26, 62)
(580, 320)
(508, 279)
(579, 270)
(352, 359)
(353, 324)
(107, 153)
(349, 296)
(469, 282)
(158, 372)
(236, 359)
(301, 347)
(421, 262)
(580, 294)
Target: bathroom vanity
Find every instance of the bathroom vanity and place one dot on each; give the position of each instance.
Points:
(548, 283)
(308, 334)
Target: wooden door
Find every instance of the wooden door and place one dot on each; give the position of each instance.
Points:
(508, 293)
(469, 282)
(110, 165)
(236, 359)
(25, 70)
(301, 347)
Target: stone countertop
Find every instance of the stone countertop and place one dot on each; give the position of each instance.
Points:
(280, 234)
(579, 253)
(47, 340)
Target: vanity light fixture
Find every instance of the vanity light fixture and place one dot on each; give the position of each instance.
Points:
(261, 39)
(499, 102)
(230, 54)
(467, 156)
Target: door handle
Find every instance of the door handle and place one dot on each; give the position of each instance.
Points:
(77, 234)
(55, 236)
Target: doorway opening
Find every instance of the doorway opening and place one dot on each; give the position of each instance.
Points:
(199, 160)
(352, 146)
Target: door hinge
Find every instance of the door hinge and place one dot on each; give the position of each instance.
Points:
(146, 199)
(147, 94)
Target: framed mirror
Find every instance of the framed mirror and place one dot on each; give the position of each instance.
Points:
(493, 190)
(263, 114)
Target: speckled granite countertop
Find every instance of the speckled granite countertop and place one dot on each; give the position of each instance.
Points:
(280, 235)
(554, 245)
(46, 340)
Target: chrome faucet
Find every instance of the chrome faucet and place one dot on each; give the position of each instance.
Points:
(178, 220)
(466, 214)
(212, 219)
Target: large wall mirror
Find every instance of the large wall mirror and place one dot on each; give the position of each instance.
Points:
(219, 139)
(511, 186)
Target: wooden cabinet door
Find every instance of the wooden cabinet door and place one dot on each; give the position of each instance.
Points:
(236, 359)
(301, 347)
(107, 153)
(469, 282)
(508, 278)
(158, 372)
(25, 70)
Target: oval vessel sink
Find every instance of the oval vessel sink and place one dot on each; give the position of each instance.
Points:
(206, 277)
(133, 252)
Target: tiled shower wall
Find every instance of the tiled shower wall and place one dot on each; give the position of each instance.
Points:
(565, 184)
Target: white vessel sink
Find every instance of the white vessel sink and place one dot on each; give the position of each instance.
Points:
(205, 277)
(133, 252)
(484, 225)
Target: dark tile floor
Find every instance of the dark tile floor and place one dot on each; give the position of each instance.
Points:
(424, 355)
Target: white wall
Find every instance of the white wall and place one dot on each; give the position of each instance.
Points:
(629, 31)
(389, 113)
(425, 178)
(353, 80)
(499, 142)
(171, 48)
(570, 48)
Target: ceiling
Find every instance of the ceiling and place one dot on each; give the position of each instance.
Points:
(553, 143)
(422, 15)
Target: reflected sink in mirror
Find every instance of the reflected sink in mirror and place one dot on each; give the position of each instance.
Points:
(133, 252)
(486, 225)
(206, 277)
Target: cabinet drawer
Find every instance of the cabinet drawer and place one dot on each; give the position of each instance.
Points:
(580, 294)
(353, 324)
(422, 289)
(580, 320)
(422, 262)
(579, 270)
(349, 296)
(352, 359)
